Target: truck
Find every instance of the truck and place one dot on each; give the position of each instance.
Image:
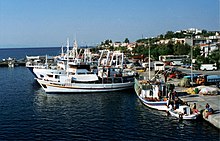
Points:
(205, 67)
(208, 80)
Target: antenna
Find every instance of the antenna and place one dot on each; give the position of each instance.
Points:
(67, 46)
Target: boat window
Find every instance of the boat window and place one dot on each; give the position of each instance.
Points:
(80, 73)
(57, 76)
(90, 73)
(44, 86)
(107, 80)
(128, 79)
(117, 80)
(49, 75)
(159, 64)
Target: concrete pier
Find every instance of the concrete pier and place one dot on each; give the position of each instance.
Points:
(199, 99)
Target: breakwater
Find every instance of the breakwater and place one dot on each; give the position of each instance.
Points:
(200, 100)
(12, 63)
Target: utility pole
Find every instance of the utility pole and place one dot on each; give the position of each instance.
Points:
(191, 58)
(149, 59)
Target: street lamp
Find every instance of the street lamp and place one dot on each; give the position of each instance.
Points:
(191, 58)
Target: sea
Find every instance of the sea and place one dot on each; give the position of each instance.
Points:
(28, 113)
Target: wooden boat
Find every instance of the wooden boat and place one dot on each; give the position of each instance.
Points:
(153, 94)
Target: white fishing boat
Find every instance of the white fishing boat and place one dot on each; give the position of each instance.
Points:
(111, 76)
(183, 112)
(11, 62)
(37, 62)
(152, 93)
(40, 67)
(108, 79)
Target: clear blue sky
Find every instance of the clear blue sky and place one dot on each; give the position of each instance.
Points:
(49, 22)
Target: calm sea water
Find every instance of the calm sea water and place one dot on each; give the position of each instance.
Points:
(20, 53)
(27, 113)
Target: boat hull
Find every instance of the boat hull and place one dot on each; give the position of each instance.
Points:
(158, 105)
(83, 87)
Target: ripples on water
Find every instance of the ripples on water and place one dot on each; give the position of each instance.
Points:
(27, 113)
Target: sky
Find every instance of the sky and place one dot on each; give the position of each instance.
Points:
(48, 23)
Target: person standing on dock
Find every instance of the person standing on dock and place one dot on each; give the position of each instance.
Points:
(165, 76)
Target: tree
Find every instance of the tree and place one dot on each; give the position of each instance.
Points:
(165, 49)
(169, 35)
(107, 42)
(214, 57)
(196, 52)
(161, 36)
(126, 40)
(181, 49)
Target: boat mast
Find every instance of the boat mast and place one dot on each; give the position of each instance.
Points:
(149, 59)
(62, 54)
(75, 47)
(67, 65)
(191, 52)
(46, 62)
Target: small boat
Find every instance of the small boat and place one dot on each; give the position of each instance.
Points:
(153, 93)
(183, 112)
(11, 62)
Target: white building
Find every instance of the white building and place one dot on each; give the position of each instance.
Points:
(207, 49)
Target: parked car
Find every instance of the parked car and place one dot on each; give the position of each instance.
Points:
(205, 67)
(185, 66)
(176, 63)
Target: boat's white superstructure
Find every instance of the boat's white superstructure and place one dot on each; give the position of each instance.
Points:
(39, 66)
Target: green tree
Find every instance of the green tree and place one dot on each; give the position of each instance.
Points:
(181, 49)
(196, 52)
(169, 35)
(126, 40)
(214, 57)
(165, 50)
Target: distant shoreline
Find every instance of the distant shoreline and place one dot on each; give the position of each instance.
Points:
(40, 47)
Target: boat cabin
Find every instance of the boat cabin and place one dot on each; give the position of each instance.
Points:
(184, 109)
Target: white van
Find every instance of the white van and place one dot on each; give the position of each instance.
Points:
(205, 67)
(159, 66)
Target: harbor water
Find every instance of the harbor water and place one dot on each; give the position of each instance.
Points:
(27, 113)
